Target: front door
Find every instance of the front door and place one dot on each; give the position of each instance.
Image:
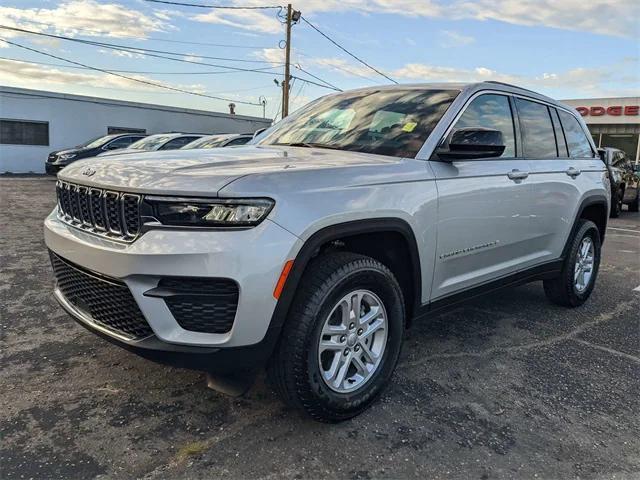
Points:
(483, 220)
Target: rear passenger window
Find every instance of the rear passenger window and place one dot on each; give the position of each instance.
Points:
(563, 151)
(538, 137)
(579, 146)
(491, 111)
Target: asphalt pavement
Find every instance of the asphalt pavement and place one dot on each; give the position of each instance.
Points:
(507, 386)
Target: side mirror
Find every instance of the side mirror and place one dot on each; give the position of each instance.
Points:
(468, 143)
(603, 154)
(258, 132)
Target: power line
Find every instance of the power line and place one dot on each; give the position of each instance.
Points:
(131, 49)
(347, 51)
(155, 39)
(155, 55)
(141, 72)
(145, 82)
(337, 67)
(318, 78)
(221, 7)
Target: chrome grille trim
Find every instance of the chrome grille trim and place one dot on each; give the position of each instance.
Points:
(110, 214)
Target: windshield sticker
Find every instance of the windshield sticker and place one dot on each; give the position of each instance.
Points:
(409, 127)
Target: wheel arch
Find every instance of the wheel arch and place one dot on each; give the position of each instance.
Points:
(594, 208)
(345, 231)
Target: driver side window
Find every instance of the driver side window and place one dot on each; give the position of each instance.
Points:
(493, 112)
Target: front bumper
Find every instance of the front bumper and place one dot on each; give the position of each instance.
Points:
(253, 258)
(52, 168)
(206, 359)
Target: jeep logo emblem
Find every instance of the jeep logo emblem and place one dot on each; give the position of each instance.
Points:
(88, 172)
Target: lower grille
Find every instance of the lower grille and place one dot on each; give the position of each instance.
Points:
(107, 301)
(206, 305)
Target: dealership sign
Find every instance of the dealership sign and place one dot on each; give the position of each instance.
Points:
(616, 111)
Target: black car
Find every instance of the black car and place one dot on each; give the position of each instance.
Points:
(59, 159)
(624, 178)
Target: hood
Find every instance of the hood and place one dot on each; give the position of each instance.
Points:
(77, 150)
(120, 151)
(207, 171)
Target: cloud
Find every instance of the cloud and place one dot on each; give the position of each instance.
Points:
(602, 81)
(252, 20)
(274, 55)
(86, 17)
(607, 17)
(120, 53)
(450, 38)
(27, 74)
(341, 66)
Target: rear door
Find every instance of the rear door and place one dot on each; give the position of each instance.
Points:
(483, 205)
(560, 177)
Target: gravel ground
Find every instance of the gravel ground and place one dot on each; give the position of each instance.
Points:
(508, 386)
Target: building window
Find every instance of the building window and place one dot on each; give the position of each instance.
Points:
(23, 132)
(112, 130)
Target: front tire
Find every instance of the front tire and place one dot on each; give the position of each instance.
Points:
(580, 268)
(342, 338)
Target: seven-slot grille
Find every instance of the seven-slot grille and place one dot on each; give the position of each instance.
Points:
(104, 212)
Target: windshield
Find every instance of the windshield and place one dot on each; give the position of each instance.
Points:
(96, 142)
(150, 143)
(206, 142)
(384, 122)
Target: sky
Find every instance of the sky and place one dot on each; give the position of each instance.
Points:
(563, 48)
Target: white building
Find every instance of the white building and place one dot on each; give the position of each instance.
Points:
(34, 122)
(613, 122)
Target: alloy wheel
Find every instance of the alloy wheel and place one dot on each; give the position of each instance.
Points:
(352, 341)
(584, 265)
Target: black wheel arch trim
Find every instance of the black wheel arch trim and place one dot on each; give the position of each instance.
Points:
(590, 200)
(335, 232)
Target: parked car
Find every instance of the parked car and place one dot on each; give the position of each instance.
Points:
(217, 141)
(59, 159)
(623, 177)
(159, 141)
(310, 252)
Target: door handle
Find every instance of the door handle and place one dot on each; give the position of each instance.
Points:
(573, 172)
(516, 174)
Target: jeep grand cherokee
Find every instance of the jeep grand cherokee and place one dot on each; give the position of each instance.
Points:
(312, 250)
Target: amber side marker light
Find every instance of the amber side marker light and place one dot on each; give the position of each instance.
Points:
(282, 280)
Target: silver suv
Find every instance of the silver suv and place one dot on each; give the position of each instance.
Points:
(313, 249)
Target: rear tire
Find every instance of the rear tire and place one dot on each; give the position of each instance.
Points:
(580, 268)
(305, 368)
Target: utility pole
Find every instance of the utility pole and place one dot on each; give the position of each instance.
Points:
(292, 16)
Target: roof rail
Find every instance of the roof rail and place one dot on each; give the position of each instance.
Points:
(514, 86)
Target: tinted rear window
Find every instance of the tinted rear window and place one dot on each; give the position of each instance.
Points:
(579, 146)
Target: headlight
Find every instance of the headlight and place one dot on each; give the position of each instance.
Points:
(210, 212)
(67, 156)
